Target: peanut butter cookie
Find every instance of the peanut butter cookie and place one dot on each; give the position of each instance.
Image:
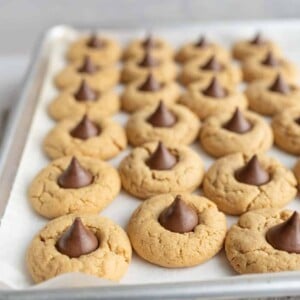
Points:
(155, 169)
(69, 185)
(176, 232)
(99, 138)
(238, 183)
(228, 133)
(173, 125)
(89, 244)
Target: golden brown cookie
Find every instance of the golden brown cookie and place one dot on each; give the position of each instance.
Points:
(160, 246)
(286, 128)
(257, 47)
(269, 183)
(99, 138)
(159, 47)
(99, 78)
(203, 70)
(209, 99)
(83, 100)
(247, 247)
(269, 97)
(148, 91)
(268, 67)
(228, 133)
(110, 259)
(202, 48)
(173, 125)
(66, 185)
(163, 70)
(102, 50)
(153, 169)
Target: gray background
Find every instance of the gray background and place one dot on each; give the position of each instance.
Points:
(22, 21)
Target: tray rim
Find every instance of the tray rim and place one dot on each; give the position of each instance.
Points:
(14, 141)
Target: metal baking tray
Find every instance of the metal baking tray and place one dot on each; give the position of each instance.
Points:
(232, 287)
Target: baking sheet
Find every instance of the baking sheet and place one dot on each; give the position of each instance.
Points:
(20, 223)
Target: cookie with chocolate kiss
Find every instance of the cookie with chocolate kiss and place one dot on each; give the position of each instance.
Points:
(74, 176)
(150, 84)
(85, 129)
(162, 117)
(85, 92)
(286, 235)
(252, 173)
(77, 240)
(238, 123)
(280, 85)
(215, 89)
(88, 66)
(161, 159)
(179, 217)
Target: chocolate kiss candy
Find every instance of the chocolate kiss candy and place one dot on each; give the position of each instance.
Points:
(75, 176)
(252, 173)
(179, 217)
(162, 117)
(280, 85)
(95, 42)
(150, 84)
(270, 60)
(215, 90)
(149, 42)
(148, 60)
(257, 40)
(85, 93)
(286, 235)
(161, 159)
(88, 66)
(298, 121)
(77, 240)
(238, 123)
(202, 42)
(212, 65)
(85, 129)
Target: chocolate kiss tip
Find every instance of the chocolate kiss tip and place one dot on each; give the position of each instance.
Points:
(280, 85)
(162, 117)
(212, 65)
(252, 173)
(270, 60)
(202, 42)
(85, 93)
(148, 60)
(257, 40)
(95, 42)
(179, 217)
(215, 89)
(88, 66)
(85, 129)
(238, 123)
(161, 159)
(74, 176)
(149, 42)
(150, 84)
(286, 235)
(77, 240)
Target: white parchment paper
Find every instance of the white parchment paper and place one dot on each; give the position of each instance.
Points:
(20, 223)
